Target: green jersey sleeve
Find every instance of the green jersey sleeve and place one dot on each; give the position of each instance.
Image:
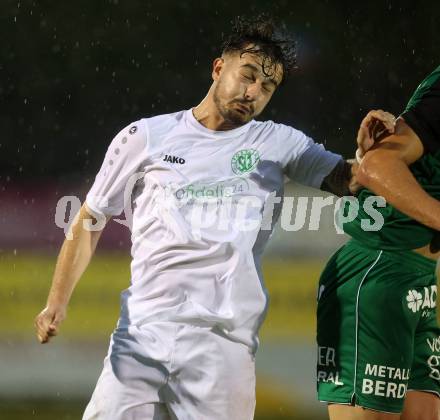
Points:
(422, 113)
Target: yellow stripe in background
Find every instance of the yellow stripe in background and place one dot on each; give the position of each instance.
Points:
(25, 280)
(94, 308)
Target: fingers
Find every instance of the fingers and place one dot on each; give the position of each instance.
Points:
(364, 141)
(42, 326)
(378, 115)
(42, 332)
(53, 327)
(47, 324)
(376, 125)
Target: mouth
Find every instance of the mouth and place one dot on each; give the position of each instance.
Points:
(242, 109)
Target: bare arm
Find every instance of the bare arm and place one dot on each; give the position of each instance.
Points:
(73, 259)
(342, 180)
(384, 170)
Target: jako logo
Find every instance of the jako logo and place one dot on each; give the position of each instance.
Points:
(173, 159)
(417, 300)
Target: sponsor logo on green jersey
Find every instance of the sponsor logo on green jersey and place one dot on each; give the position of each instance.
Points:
(423, 299)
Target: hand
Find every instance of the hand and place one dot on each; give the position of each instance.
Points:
(376, 125)
(47, 322)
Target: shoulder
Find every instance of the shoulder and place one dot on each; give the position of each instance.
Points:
(132, 137)
(158, 127)
(163, 122)
(288, 142)
(281, 131)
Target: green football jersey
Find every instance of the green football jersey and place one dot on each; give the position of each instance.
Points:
(400, 232)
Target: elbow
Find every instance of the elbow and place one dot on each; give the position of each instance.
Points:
(370, 169)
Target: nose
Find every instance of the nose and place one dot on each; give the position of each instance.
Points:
(252, 91)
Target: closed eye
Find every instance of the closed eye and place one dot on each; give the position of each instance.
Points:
(252, 79)
(248, 77)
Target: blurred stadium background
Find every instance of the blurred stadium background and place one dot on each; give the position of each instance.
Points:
(72, 74)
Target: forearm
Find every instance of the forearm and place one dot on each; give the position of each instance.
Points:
(338, 182)
(73, 259)
(391, 178)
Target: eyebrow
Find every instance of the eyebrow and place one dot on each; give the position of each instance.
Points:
(254, 68)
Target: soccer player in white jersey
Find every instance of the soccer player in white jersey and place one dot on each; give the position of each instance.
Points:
(186, 339)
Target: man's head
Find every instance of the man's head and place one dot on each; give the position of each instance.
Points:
(256, 59)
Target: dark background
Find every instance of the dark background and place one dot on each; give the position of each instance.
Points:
(72, 74)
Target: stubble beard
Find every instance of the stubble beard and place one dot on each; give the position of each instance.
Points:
(231, 116)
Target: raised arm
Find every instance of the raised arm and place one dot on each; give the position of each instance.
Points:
(73, 259)
(384, 170)
(342, 180)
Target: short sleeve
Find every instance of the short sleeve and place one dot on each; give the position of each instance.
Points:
(304, 161)
(122, 162)
(422, 112)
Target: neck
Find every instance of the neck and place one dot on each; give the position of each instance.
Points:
(207, 114)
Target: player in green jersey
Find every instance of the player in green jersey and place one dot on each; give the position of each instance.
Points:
(378, 336)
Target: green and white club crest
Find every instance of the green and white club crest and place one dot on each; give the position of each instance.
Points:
(244, 161)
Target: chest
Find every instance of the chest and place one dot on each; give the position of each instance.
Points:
(200, 169)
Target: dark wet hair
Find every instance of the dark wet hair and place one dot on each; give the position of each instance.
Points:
(273, 43)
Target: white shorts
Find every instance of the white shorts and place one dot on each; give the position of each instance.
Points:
(166, 370)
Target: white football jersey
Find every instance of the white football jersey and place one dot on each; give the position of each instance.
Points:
(197, 202)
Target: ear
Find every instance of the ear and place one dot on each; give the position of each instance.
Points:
(217, 67)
